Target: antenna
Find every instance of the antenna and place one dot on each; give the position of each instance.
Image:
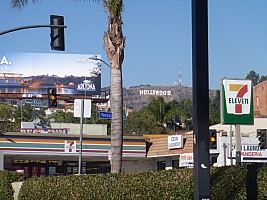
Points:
(179, 81)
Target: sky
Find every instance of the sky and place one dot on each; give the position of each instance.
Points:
(158, 37)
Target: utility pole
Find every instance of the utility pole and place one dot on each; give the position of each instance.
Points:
(200, 99)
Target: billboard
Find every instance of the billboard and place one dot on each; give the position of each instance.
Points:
(237, 102)
(35, 72)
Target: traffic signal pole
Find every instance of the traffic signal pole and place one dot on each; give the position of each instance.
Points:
(57, 31)
(32, 26)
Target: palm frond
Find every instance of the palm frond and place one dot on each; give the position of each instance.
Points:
(21, 3)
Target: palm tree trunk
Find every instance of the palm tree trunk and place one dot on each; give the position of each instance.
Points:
(117, 120)
(114, 46)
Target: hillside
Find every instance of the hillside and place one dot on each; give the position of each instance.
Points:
(138, 96)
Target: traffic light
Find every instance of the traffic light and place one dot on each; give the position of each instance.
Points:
(262, 135)
(213, 139)
(52, 97)
(57, 33)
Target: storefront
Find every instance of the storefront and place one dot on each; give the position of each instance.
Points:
(166, 150)
(38, 155)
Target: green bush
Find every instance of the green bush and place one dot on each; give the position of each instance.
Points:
(226, 183)
(262, 183)
(6, 178)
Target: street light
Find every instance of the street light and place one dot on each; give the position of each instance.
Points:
(96, 58)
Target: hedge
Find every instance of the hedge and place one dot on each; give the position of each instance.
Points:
(233, 182)
(6, 178)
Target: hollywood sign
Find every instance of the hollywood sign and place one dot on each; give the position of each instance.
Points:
(155, 92)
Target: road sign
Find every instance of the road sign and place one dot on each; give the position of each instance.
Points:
(105, 115)
(124, 116)
(86, 108)
(108, 115)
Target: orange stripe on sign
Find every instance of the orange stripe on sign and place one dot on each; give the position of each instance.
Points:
(235, 87)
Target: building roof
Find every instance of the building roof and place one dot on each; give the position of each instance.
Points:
(159, 145)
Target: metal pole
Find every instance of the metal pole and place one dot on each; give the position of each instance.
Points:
(21, 113)
(32, 26)
(200, 99)
(238, 144)
(1, 160)
(231, 145)
(224, 153)
(81, 137)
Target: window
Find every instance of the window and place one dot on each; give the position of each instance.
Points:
(175, 164)
(161, 165)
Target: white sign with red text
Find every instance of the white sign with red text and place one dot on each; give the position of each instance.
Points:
(186, 160)
(250, 153)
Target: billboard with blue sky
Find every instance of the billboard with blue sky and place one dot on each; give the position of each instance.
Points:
(35, 72)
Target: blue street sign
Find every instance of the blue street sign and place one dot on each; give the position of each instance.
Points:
(124, 116)
(105, 115)
(108, 115)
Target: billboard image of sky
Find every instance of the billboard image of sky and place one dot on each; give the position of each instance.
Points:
(35, 72)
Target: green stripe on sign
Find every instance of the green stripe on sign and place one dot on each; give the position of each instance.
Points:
(32, 145)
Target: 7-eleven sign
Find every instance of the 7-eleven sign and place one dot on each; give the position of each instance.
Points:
(237, 102)
(70, 146)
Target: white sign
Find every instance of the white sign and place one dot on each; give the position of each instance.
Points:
(250, 153)
(238, 96)
(175, 141)
(70, 147)
(186, 160)
(86, 107)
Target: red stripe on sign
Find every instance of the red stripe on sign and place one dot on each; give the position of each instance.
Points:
(243, 90)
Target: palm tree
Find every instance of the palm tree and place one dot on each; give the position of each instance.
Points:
(114, 46)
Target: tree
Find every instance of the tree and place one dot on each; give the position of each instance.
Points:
(254, 77)
(6, 110)
(214, 109)
(140, 123)
(157, 108)
(263, 78)
(114, 46)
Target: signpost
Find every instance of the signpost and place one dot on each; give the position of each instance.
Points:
(82, 108)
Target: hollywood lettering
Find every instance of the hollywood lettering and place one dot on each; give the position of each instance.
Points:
(155, 92)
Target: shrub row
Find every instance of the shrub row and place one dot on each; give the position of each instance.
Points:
(233, 182)
(6, 178)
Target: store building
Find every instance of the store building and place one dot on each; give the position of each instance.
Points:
(260, 99)
(170, 151)
(55, 153)
(250, 150)
(40, 154)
